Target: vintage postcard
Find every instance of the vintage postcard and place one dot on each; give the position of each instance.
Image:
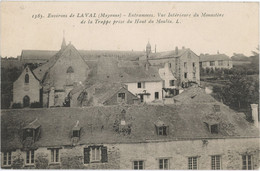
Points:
(130, 85)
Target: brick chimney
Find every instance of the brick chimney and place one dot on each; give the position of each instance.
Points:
(254, 108)
(176, 50)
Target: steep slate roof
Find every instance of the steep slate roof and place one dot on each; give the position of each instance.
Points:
(167, 54)
(42, 70)
(37, 54)
(185, 122)
(137, 74)
(105, 91)
(45, 55)
(107, 69)
(215, 57)
(193, 95)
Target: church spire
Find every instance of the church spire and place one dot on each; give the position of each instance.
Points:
(63, 45)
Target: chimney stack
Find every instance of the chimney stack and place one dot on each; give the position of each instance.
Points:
(155, 49)
(176, 50)
(254, 108)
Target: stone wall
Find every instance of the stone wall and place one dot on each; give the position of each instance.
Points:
(231, 151)
(121, 156)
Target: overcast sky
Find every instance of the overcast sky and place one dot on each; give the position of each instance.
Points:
(236, 32)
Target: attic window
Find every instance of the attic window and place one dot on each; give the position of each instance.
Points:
(76, 133)
(161, 128)
(76, 130)
(70, 70)
(217, 108)
(213, 127)
(31, 131)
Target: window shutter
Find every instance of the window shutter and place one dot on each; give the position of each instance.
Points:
(86, 155)
(167, 130)
(156, 130)
(103, 154)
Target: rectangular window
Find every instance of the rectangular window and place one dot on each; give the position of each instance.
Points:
(212, 63)
(139, 85)
(204, 64)
(214, 128)
(185, 75)
(170, 65)
(138, 165)
(193, 163)
(162, 130)
(171, 82)
(220, 63)
(185, 64)
(7, 158)
(121, 96)
(55, 155)
(247, 162)
(194, 75)
(95, 154)
(30, 157)
(76, 133)
(164, 164)
(156, 95)
(215, 162)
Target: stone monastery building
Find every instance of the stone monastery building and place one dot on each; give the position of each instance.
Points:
(122, 110)
(63, 75)
(196, 132)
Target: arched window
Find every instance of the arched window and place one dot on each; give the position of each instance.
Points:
(70, 70)
(26, 78)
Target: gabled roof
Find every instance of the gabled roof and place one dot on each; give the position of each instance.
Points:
(193, 95)
(167, 54)
(45, 55)
(104, 92)
(140, 73)
(215, 57)
(185, 122)
(33, 125)
(42, 70)
(37, 54)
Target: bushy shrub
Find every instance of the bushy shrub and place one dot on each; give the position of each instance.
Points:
(17, 105)
(41, 162)
(36, 105)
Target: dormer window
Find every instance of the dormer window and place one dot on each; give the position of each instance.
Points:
(213, 127)
(31, 132)
(76, 133)
(76, 130)
(162, 128)
(26, 79)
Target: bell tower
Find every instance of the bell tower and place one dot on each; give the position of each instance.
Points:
(148, 49)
